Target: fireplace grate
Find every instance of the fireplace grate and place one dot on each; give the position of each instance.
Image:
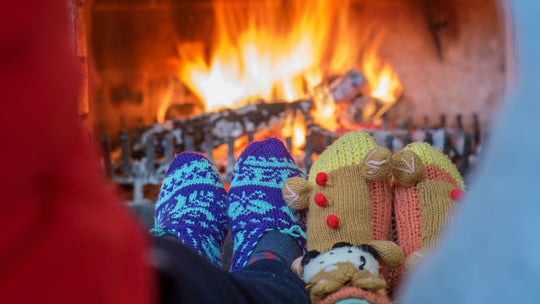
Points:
(134, 168)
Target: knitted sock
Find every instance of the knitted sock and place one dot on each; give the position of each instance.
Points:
(255, 203)
(191, 205)
(275, 245)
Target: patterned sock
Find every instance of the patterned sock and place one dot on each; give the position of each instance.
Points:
(255, 203)
(191, 206)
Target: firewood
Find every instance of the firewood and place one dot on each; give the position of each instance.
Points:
(216, 128)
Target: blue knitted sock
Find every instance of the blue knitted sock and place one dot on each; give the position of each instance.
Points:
(191, 205)
(255, 203)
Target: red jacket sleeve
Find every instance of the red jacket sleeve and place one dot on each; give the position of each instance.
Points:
(65, 237)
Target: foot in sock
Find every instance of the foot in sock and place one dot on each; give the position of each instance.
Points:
(191, 205)
(275, 245)
(426, 187)
(255, 204)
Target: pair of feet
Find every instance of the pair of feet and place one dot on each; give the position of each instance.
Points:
(194, 206)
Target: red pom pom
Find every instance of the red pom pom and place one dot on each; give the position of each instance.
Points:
(321, 178)
(332, 221)
(457, 194)
(320, 200)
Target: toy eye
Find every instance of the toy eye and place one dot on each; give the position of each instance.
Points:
(363, 263)
(322, 262)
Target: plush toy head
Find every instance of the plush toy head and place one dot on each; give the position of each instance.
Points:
(363, 258)
(343, 265)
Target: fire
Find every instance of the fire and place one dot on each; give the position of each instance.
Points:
(296, 129)
(384, 82)
(265, 49)
(165, 102)
(282, 50)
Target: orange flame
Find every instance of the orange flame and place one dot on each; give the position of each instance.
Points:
(384, 82)
(296, 129)
(275, 49)
(263, 49)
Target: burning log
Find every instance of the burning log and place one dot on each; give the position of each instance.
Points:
(145, 154)
(347, 86)
(339, 89)
(140, 150)
(209, 130)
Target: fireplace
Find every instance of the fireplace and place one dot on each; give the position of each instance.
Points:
(160, 70)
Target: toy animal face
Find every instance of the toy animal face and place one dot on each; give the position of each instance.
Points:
(363, 257)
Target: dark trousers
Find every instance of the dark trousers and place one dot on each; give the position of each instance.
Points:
(186, 277)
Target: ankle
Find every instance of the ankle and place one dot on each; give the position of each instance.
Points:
(275, 245)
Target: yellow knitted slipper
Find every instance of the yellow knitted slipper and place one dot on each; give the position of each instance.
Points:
(348, 193)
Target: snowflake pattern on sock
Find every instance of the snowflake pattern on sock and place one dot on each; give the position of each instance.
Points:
(255, 203)
(192, 206)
